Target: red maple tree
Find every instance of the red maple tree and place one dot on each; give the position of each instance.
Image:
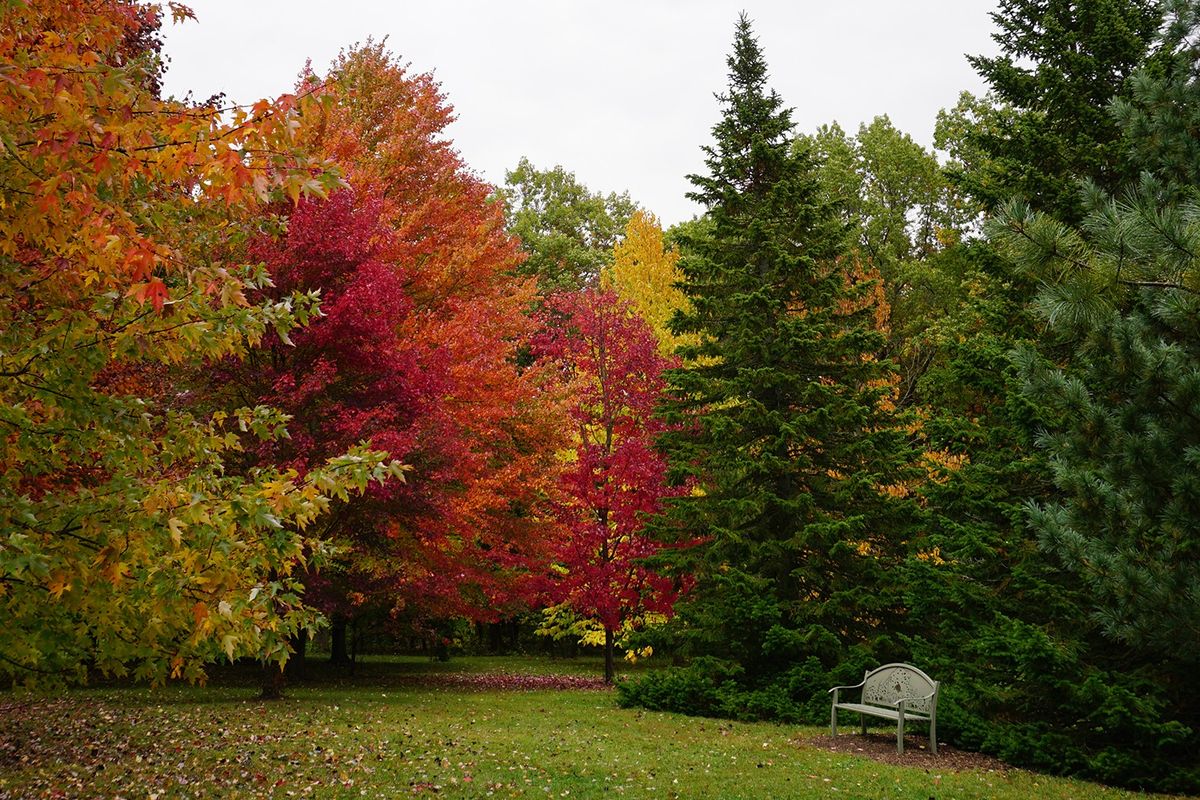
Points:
(416, 351)
(609, 358)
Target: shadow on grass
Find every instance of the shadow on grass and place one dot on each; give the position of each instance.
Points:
(241, 680)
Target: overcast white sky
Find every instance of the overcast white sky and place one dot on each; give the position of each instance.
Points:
(619, 92)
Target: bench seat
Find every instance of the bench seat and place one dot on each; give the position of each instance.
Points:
(879, 711)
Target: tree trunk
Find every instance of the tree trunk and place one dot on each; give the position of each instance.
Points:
(295, 664)
(608, 655)
(272, 673)
(272, 681)
(514, 635)
(338, 654)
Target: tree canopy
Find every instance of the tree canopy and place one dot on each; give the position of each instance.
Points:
(127, 543)
(566, 230)
(272, 365)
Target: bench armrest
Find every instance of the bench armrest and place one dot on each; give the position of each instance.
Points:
(910, 699)
(858, 685)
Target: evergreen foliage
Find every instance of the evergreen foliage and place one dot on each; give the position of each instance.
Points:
(1124, 288)
(1160, 116)
(1028, 674)
(1126, 457)
(1115, 604)
(1061, 62)
(783, 406)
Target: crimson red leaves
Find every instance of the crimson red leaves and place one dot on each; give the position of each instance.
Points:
(415, 351)
(611, 361)
(505, 681)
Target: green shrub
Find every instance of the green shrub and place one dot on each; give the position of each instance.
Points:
(1013, 691)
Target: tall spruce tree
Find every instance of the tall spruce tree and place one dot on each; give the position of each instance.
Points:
(1060, 64)
(782, 405)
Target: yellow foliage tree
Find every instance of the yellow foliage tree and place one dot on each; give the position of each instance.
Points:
(644, 273)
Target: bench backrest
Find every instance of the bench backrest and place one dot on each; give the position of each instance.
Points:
(891, 682)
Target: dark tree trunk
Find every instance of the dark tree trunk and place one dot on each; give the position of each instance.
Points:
(338, 654)
(495, 637)
(295, 664)
(514, 635)
(272, 673)
(608, 656)
(272, 681)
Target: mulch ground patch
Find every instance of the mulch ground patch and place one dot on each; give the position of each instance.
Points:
(882, 747)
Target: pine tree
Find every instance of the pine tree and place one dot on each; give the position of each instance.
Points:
(785, 431)
(1123, 287)
(1160, 116)
(1126, 524)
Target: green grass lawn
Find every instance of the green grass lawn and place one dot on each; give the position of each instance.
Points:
(378, 735)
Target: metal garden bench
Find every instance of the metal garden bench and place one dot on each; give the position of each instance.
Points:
(893, 691)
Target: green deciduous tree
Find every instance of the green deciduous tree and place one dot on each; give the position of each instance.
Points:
(566, 230)
(889, 189)
(125, 543)
(904, 215)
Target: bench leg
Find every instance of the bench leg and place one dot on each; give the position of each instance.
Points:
(900, 735)
(862, 724)
(933, 735)
(833, 721)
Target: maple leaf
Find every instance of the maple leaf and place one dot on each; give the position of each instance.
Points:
(180, 12)
(416, 351)
(118, 290)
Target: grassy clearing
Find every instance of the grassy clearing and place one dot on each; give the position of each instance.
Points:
(378, 736)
